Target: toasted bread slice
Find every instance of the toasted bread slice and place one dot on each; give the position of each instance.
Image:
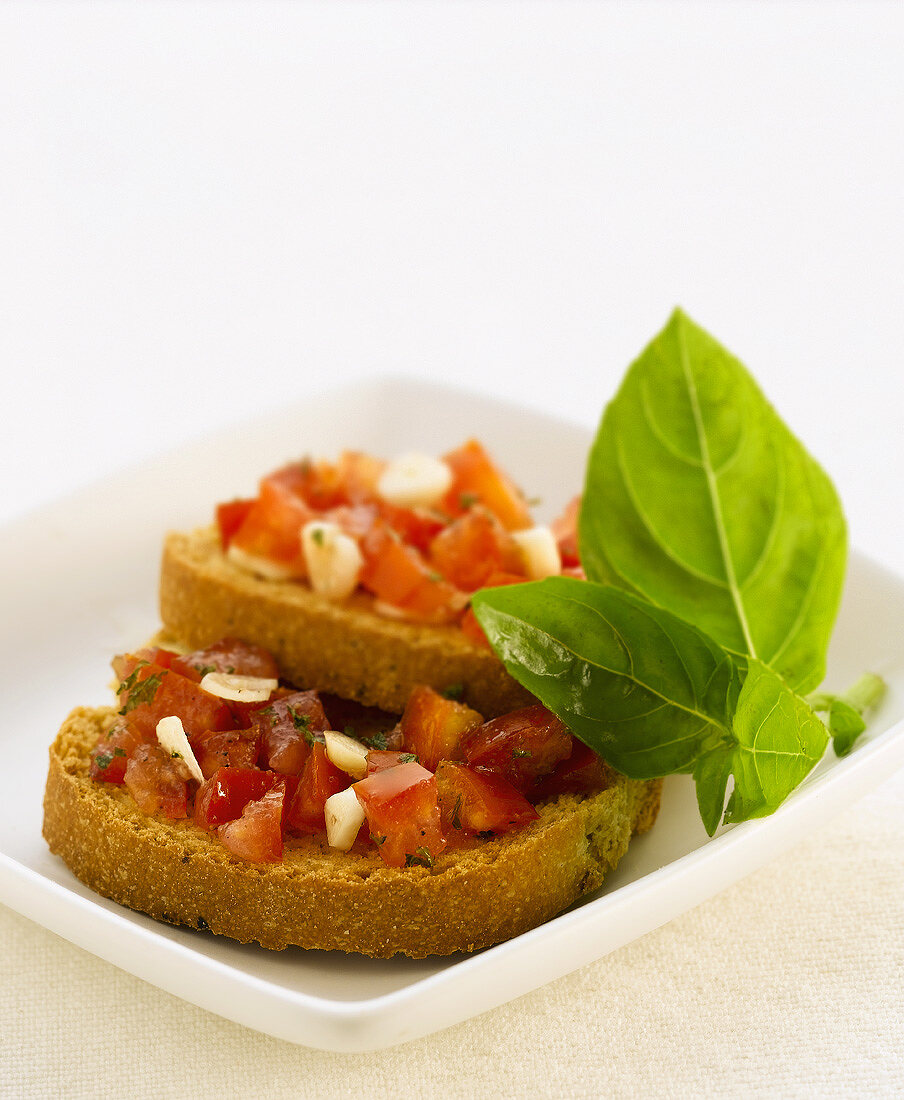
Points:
(320, 898)
(345, 648)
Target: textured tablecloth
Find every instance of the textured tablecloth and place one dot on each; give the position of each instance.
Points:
(790, 983)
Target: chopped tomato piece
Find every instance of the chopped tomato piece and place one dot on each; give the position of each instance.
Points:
(358, 474)
(480, 801)
(416, 526)
(470, 627)
(320, 779)
(519, 746)
(400, 575)
(230, 517)
(287, 728)
(432, 726)
(473, 547)
(581, 773)
(150, 692)
(257, 835)
(403, 814)
(223, 795)
(378, 760)
(227, 655)
(111, 753)
(272, 527)
(478, 480)
(225, 749)
(565, 532)
(125, 663)
(157, 781)
(318, 483)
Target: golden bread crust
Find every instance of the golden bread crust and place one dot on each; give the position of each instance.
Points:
(320, 898)
(346, 649)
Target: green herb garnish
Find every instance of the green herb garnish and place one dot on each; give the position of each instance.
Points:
(714, 547)
(454, 692)
(302, 722)
(421, 857)
(139, 691)
(467, 500)
(374, 741)
(407, 757)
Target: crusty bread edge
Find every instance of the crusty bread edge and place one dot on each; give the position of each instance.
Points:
(346, 648)
(319, 898)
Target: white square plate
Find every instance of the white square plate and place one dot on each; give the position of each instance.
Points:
(80, 585)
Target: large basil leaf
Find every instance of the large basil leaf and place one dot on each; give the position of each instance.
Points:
(699, 498)
(652, 694)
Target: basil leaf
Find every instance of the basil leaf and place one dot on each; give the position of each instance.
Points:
(652, 694)
(844, 713)
(700, 499)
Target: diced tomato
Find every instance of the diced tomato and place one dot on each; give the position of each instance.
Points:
(111, 753)
(150, 692)
(358, 474)
(480, 801)
(432, 726)
(478, 480)
(157, 781)
(230, 517)
(228, 655)
(400, 575)
(257, 835)
(378, 760)
(417, 527)
(125, 663)
(354, 520)
(224, 794)
(565, 531)
(473, 547)
(519, 746)
(225, 749)
(272, 527)
(320, 779)
(583, 772)
(317, 483)
(470, 627)
(403, 814)
(286, 728)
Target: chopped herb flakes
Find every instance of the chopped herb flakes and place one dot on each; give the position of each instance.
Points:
(421, 857)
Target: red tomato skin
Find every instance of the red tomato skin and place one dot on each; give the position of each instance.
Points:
(222, 797)
(418, 527)
(565, 532)
(157, 782)
(432, 726)
(378, 760)
(230, 517)
(272, 527)
(257, 836)
(583, 772)
(403, 814)
(230, 655)
(477, 479)
(480, 801)
(520, 746)
(171, 694)
(473, 547)
(225, 749)
(110, 755)
(400, 575)
(285, 728)
(320, 779)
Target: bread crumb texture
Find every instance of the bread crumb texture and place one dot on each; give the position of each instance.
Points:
(320, 898)
(344, 648)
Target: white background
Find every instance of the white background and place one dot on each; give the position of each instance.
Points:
(207, 209)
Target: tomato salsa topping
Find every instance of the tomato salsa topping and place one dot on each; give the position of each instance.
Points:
(260, 773)
(418, 534)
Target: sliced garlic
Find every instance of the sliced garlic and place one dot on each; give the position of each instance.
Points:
(344, 817)
(539, 552)
(261, 567)
(333, 559)
(414, 480)
(171, 738)
(346, 753)
(239, 689)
